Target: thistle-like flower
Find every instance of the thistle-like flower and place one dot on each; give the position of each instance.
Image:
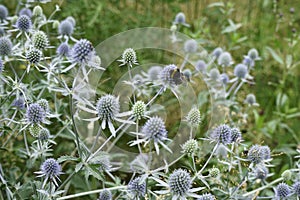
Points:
(258, 154)
(65, 28)
(296, 188)
(225, 59)
(105, 195)
(3, 12)
(40, 40)
(171, 76)
(236, 135)
(63, 49)
(50, 169)
(241, 71)
(139, 109)
(190, 147)
(217, 52)
(137, 188)
(24, 23)
(34, 56)
(201, 66)
(25, 11)
(5, 46)
(82, 52)
(251, 100)
(194, 117)
(128, 57)
(35, 114)
(44, 104)
(190, 46)
(282, 191)
(222, 134)
(180, 19)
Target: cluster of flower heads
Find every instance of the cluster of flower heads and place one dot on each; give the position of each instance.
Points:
(225, 134)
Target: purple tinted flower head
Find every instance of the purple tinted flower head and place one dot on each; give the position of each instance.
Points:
(296, 188)
(261, 172)
(180, 182)
(190, 46)
(282, 190)
(241, 71)
(155, 129)
(105, 195)
(25, 11)
(82, 51)
(5, 46)
(19, 103)
(222, 134)
(63, 49)
(224, 78)
(50, 169)
(65, 28)
(225, 59)
(236, 135)
(217, 52)
(153, 72)
(137, 187)
(201, 66)
(24, 23)
(258, 154)
(108, 107)
(171, 76)
(179, 18)
(3, 12)
(35, 113)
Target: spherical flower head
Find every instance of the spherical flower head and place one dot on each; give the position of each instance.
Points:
(40, 40)
(34, 130)
(296, 188)
(248, 61)
(224, 78)
(190, 147)
(108, 107)
(24, 23)
(180, 182)
(201, 66)
(214, 74)
(139, 109)
(44, 134)
(37, 11)
(51, 168)
(35, 113)
(136, 187)
(217, 52)
(105, 195)
(82, 51)
(250, 99)
(266, 152)
(207, 197)
(225, 59)
(25, 11)
(253, 54)
(155, 129)
(3, 12)
(138, 80)
(171, 75)
(194, 117)
(261, 172)
(282, 190)
(34, 56)
(129, 57)
(71, 20)
(190, 46)
(65, 28)
(44, 104)
(241, 71)
(214, 172)
(187, 74)
(153, 72)
(63, 49)
(180, 18)
(258, 153)
(286, 175)
(222, 134)
(5, 46)
(236, 134)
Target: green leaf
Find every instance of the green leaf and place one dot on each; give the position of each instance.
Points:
(92, 170)
(275, 55)
(78, 167)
